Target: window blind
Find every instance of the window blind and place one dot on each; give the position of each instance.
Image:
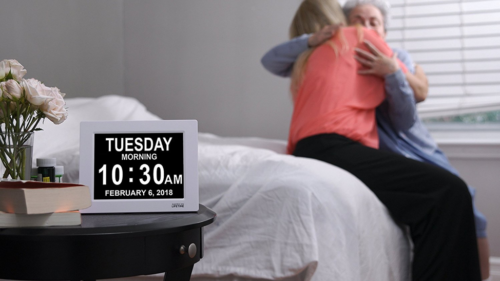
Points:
(457, 42)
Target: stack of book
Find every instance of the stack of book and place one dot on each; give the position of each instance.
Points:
(30, 203)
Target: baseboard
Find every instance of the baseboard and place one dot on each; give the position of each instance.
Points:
(494, 273)
(494, 269)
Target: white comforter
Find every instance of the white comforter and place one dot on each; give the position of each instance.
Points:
(278, 216)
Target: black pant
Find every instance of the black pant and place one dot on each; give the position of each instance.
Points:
(434, 203)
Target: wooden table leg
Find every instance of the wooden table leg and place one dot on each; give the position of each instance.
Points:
(182, 274)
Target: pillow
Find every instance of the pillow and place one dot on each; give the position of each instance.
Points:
(63, 141)
(278, 146)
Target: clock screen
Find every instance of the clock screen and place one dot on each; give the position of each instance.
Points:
(139, 166)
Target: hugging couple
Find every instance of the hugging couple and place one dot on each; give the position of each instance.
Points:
(355, 107)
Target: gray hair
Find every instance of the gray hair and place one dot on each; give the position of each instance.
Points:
(383, 5)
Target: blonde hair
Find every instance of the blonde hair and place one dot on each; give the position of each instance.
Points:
(311, 17)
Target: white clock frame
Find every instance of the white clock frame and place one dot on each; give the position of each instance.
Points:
(189, 128)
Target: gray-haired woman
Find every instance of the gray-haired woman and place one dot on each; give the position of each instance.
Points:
(411, 138)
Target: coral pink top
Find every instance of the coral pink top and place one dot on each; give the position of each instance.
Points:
(333, 98)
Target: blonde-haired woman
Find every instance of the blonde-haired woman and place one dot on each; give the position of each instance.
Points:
(334, 121)
(326, 16)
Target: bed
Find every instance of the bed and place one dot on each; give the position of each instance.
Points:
(279, 217)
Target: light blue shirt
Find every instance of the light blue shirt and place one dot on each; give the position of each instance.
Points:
(400, 129)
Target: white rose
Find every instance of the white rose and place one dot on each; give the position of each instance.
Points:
(11, 89)
(14, 67)
(55, 109)
(3, 64)
(36, 92)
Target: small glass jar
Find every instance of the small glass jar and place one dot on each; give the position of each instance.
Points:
(34, 173)
(46, 167)
(59, 173)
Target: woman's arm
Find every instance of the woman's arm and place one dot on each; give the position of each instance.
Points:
(419, 83)
(400, 108)
(383, 65)
(417, 78)
(280, 59)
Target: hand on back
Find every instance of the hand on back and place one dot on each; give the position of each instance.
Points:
(324, 34)
(375, 62)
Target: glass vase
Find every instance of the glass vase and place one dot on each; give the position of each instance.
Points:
(16, 153)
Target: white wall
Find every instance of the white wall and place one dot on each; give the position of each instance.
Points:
(76, 46)
(479, 166)
(482, 174)
(201, 60)
(183, 59)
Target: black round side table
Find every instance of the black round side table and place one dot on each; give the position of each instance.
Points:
(106, 246)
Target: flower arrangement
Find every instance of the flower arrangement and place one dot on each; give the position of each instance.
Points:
(23, 104)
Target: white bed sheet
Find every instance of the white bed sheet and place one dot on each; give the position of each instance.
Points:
(279, 217)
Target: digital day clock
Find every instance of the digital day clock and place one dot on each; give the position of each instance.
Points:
(140, 166)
